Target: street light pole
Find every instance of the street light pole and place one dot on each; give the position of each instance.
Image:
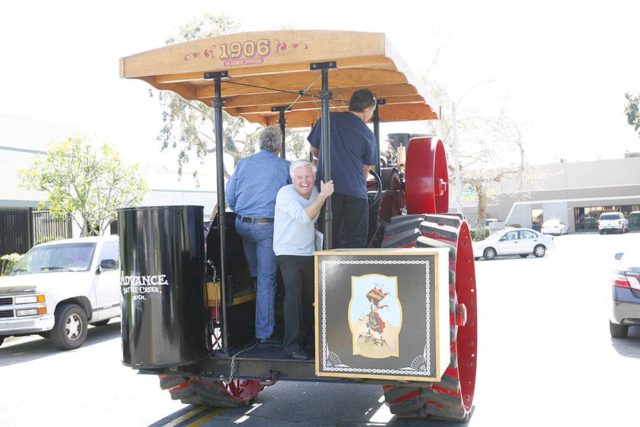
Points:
(456, 164)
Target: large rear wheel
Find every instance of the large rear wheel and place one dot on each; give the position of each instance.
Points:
(452, 397)
(196, 390)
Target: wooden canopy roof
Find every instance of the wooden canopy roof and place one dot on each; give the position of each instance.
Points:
(272, 69)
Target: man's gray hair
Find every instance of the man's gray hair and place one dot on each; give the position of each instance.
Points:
(300, 163)
(270, 139)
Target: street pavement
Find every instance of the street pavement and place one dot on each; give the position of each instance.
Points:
(545, 357)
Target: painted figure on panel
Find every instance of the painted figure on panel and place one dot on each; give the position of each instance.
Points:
(375, 316)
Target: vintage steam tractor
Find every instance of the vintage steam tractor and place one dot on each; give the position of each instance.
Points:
(401, 313)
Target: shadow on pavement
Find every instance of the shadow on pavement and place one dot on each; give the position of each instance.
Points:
(38, 348)
(297, 404)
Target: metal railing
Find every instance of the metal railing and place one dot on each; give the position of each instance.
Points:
(21, 228)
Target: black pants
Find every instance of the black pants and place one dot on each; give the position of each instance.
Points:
(297, 275)
(350, 221)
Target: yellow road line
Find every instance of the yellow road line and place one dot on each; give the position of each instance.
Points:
(186, 416)
(207, 417)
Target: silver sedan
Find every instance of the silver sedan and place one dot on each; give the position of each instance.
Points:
(513, 241)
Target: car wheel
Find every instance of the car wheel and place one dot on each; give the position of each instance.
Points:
(489, 253)
(70, 328)
(601, 232)
(618, 331)
(539, 251)
(524, 255)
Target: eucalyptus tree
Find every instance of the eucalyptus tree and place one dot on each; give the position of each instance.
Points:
(188, 126)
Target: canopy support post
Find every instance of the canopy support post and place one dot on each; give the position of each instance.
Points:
(376, 132)
(217, 108)
(282, 121)
(325, 141)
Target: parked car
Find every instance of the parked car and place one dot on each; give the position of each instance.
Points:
(626, 294)
(58, 288)
(490, 221)
(554, 227)
(634, 220)
(517, 241)
(612, 221)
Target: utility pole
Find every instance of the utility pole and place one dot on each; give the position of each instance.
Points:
(456, 165)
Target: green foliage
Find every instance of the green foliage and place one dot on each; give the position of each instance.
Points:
(297, 146)
(189, 126)
(7, 262)
(477, 235)
(632, 110)
(89, 183)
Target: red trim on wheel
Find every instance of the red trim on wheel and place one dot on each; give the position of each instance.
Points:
(442, 390)
(407, 396)
(436, 404)
(180, 386)
(467, 339)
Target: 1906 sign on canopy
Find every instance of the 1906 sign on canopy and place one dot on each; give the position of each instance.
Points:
(382, 313)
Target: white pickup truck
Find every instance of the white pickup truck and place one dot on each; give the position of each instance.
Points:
(57, 289)
(612, 221)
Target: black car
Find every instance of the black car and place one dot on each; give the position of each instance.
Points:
(626, 294)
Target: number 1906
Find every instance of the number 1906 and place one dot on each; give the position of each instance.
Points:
(247, 49)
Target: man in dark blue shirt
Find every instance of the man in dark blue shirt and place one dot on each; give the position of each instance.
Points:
(353, 154)
(251, 193)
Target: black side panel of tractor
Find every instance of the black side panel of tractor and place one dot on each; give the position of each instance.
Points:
(237, 268)
(240, 316)
(164, 314)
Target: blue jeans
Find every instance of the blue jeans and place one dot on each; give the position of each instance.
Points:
(257, 240)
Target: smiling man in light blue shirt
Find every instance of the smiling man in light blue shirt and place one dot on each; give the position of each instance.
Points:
(297, 209)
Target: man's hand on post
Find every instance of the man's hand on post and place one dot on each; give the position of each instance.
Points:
(326, 189)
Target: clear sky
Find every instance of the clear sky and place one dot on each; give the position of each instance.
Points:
(561, 68)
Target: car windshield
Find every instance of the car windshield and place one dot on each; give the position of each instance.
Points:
(610, 216)
(53, 258)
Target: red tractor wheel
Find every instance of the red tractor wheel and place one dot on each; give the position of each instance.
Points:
(195, 390)
(452, 397)
(426, 177)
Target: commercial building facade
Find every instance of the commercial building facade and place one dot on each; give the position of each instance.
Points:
(576, 193)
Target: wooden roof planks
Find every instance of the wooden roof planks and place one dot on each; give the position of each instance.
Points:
(272, 69)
